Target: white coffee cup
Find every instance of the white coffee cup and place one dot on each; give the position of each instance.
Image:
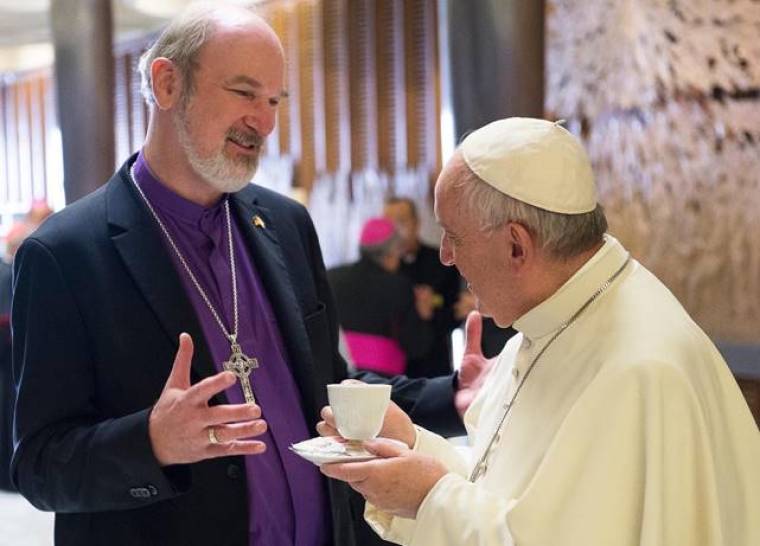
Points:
(359, 408)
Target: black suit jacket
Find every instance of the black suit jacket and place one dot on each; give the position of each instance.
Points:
(7, 392)
(98, 308)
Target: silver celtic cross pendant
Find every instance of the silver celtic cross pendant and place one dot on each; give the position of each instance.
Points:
(241, 365)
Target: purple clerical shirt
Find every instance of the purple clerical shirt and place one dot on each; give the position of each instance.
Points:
(287, 501)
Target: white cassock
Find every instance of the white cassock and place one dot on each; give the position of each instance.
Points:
(630, 430)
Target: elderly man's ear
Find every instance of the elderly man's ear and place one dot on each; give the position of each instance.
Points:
(521, 244)
(167, 83)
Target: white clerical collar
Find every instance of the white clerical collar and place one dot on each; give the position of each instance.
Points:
(550, 314)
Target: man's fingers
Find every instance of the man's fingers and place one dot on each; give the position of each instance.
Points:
(473, 333)
(327, 415)
(239, 431)
(232, 413)
(327, 426)
(201, 392)
(385, 448)
(325, 429)
(346, 472)
(179, 377)
(238, 447)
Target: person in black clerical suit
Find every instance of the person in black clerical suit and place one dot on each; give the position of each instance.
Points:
(433, 281)
(384, 325)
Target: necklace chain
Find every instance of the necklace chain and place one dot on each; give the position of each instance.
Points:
(480, 468)
(230, 335)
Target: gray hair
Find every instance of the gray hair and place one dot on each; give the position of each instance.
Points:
(563, 236)
(376, 253)
(180, 42)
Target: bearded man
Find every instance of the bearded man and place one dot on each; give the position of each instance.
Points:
(177, 258)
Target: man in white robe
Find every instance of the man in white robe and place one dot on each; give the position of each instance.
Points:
(610, 419)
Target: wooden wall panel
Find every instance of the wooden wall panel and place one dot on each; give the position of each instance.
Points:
(363, 98)
(122, 108)
(130, 110)
(4, 128)
(420, 85)
(362, 87)
(282, 20)
(27, 123)
(337, 117)
(40, 117)
(311, 97)
(12, 143)
(391, 105)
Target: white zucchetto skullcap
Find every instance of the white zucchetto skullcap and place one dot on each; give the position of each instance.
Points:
(535, 161)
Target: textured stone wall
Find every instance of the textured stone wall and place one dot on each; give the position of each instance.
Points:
(665, 95)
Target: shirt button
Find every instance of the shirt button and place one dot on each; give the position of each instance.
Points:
(234, 472)
(527, 344)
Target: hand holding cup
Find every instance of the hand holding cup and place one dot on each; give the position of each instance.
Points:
(393, 424)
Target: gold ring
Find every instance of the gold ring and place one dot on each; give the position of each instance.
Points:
(212, 436)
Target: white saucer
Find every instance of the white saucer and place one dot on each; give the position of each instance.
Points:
(331, 449)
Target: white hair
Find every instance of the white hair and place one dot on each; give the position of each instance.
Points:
(561, 235)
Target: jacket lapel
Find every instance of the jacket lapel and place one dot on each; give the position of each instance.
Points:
(268, 259)
(138, 240)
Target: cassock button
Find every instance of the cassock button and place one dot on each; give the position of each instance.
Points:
(234, 472)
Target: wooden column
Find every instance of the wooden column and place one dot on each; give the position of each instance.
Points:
(84, 72)
(497, 60)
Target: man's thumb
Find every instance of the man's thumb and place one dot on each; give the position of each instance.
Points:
(179, 378)
(473, 333)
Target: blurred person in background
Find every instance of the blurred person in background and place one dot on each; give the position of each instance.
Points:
(7, 391)
(433, 282)
(19, 231)
(385, 322)
(444, 287)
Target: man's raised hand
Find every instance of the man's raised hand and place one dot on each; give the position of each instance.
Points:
(475, 365)
(184, 428)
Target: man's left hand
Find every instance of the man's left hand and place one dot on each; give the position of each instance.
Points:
(396, 483)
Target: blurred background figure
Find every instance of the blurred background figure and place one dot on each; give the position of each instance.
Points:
(433, 282)
(443, 286)
(13, 239)
(6, 377)
(15, 236)
(385, 321)
(38, 212)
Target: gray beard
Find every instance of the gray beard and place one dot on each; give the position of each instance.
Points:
(221, 173)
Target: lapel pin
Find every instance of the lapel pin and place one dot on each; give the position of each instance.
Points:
(258, 222)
